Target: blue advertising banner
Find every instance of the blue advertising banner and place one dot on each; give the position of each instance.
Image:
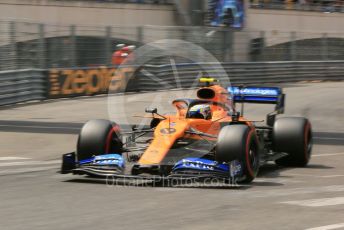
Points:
(227, 13)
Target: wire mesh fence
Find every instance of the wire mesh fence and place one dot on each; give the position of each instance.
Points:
(7, 43)
(328, 6)
(35, 45)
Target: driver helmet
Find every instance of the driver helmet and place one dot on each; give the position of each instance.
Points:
(125, 49)
(200, 111)
(132, 47)
(119, 46)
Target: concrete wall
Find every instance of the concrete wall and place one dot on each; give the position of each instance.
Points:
(291, 20)
(87, 13)
(283, 26)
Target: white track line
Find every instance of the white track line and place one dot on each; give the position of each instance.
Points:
(332, 176)
(314, 176)
(25, 170)
(301, 175)
(40, 127)
(329, 138)
(317, 202)
(327, 154)
(298, 191)
(30, 163)
(13, 158)
(328, 227)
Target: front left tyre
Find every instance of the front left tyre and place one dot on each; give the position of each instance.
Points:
(98, 137)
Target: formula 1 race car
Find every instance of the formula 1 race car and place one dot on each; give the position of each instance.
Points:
(206, 138)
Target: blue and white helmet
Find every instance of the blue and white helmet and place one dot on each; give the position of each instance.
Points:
(202, 111)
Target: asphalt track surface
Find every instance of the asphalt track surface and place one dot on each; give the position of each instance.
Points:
(34, 196)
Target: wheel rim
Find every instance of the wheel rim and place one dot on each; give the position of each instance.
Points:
(308, 142)
(309, 145)
(253, 158)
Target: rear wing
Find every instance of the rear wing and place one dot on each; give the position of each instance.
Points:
(259, 95)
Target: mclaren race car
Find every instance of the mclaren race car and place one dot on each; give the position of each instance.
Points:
(206, 138)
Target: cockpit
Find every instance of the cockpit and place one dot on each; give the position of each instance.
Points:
(199, 109)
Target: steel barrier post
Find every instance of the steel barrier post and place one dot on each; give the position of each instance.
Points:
(262, 45)
(293, 55)
(140, 34)
(108, 46)
(72, 35)
(42, 47)
(228, 45)
(324, 47)
(13, 45)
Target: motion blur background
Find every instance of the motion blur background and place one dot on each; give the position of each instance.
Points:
(52, 49)
(84, 33)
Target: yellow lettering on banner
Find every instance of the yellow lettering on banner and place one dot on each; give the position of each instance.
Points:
(54, 84)
(54, 92)
(94, 86)
(67, 85)
(86, 82)
(80, 82)
(106, 77)
(115, 83)
(120, 79)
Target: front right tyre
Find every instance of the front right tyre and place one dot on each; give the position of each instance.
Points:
(239, 142)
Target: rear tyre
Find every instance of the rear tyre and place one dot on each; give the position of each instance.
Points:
(239, 142)
(98, 137)
(293, 135)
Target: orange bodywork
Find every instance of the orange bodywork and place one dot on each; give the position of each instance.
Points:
(174, 126)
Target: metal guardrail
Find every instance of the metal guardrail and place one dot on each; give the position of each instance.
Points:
(22, 85)
(32, 84)
(241, 73)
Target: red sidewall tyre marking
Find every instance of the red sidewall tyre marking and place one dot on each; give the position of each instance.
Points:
(248, 163)
(307, 128)
(109, 138)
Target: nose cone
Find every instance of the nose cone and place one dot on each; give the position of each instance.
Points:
(165, 135)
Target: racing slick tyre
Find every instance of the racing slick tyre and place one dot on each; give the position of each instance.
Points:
(239, 142)
(98, 137)
(293, 135)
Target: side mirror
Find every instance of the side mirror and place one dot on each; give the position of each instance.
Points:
(151, 110)
(154, 122)
(270, 119)
(235, 116)
(134, 127)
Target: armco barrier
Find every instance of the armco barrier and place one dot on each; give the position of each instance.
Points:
(22, 85)
(241, 73)
(27, 85)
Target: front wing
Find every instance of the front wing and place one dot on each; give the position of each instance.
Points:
(112, 167)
